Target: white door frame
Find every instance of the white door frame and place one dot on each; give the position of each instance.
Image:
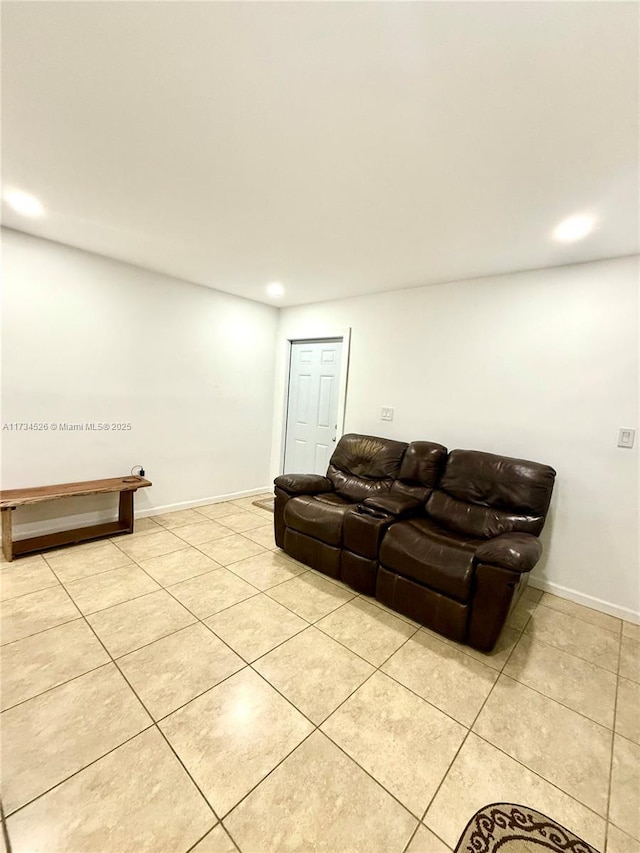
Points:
(345, 336)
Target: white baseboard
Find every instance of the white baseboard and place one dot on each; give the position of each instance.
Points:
(25, 530)
(232, 496)
(586, 600)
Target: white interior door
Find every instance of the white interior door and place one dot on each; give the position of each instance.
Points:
(312, 411)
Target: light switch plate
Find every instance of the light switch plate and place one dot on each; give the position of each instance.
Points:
(626, 437)
(386, 413)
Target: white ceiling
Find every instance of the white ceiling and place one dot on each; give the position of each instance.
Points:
(340, 148)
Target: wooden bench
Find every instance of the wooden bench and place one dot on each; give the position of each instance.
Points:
(13, 498)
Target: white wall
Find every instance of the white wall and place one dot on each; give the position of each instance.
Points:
(541, 365)
(86, 338)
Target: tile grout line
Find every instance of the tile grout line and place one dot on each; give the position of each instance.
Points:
(196, 619)
(581, 618)
(512, 757)
(198, 547)
(63, 584)
(314, 728)
(246, 663)
(537, 639)
(229, 606)
(22, 594)
(247, 666)
(413, 835)
(464, 740)
(364, 769)
(348, 648)
(314, 624)
(616, 634)
(376, 668)
(152, 725)
(222, 681)
(126, 654)
(633, 743)
(199, 619)
(552, 784)
(286, 606)
(218, 521)
(552, 699)
(185, 543)
(613, 741)
(44, 630)
(54, 686)
(263, 779)
(77, 772)
(420, 821)
(508, 755)
(208, 832)
(4, 830)
(317, 728)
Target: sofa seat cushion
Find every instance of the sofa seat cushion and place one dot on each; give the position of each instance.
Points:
(440, 559)
(320, 516)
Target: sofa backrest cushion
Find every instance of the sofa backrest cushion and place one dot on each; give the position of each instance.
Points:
(364, 465)
(484, 495)
(421, 466)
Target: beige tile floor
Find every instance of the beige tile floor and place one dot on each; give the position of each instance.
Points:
(192, 688)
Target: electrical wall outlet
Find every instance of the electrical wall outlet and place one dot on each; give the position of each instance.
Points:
(386, 413)
(626, 437)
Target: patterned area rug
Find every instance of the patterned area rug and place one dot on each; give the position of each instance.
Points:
(266, 503)
(517, 829)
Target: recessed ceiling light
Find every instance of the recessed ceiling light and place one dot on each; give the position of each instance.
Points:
(275, 289)
(574, 228)
(23, 203)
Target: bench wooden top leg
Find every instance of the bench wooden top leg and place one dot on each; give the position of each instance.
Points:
(125, 509)
(7, 536)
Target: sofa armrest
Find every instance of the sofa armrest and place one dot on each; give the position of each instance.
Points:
(516, 551)
(303, 484)
(398, 506)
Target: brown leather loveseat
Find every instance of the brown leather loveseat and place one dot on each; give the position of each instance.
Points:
(448, 539)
